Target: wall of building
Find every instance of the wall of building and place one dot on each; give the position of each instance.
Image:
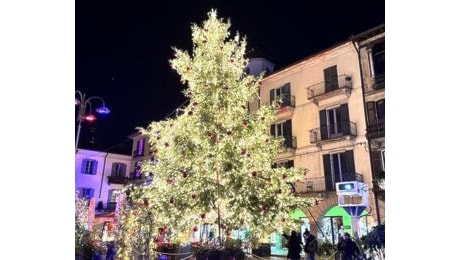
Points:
(99, 182)
(305, 115)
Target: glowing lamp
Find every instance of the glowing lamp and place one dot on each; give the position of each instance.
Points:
(103, 110)
(90, 117)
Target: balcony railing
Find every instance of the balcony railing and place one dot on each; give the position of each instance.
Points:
(379, 82)
(287, 101)
(344, 83)
(117, 179)
(111, 206)
(290, 142)
(376, 130)
(320, 184)
(332, 131)
(136, 153)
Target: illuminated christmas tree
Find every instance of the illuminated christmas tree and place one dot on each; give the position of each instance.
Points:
(214, 159)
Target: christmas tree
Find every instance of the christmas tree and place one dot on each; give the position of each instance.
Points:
(213, 161)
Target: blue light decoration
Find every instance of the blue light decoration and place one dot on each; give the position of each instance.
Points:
(103, 110)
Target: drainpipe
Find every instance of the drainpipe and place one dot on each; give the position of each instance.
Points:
(103, 171)
(367, 137)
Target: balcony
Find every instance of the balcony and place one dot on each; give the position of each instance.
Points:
(320, 184)
(332, 131)
(138, 153)
(290, 142)
(117, 179)
(321, 90)
(287, 101)
(376, 130)
(379, 82)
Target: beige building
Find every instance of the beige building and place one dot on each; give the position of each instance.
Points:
(323, 121)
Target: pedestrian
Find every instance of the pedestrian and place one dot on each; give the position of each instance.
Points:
(311, 245)
(293, 246)
(348, 248)
(110, 251)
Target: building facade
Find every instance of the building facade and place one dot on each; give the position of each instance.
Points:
(323, 122)
(100, 175)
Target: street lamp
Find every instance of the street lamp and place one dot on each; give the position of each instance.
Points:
(83, 102)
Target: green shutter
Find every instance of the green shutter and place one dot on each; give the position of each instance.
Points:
(349, 166)
(83, 166)
(345, 119)
(272, 95)
(323, 124)
(327, 172)
(331, 79)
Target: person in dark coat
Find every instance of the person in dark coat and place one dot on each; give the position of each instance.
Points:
(311, 245)
(293, 245)
(348, 248)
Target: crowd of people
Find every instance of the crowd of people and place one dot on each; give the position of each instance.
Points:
(347, 248)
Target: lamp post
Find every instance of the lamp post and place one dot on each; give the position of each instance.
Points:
(82, 101)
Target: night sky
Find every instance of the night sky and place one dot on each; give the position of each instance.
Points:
(122, 49)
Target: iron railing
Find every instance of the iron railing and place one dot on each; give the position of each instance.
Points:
(290, 142)
(320, 184)
(287, 101)
(332, 131)
(117, 179)
(343, 82)
(376, 130)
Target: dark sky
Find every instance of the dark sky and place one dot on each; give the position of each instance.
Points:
(123, 48)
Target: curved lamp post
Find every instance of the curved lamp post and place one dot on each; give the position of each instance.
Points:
(83, 102)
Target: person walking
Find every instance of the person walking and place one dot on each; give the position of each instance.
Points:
(293, 246)
(311, 245)
(348, 248)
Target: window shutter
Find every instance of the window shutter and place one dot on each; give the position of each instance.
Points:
(286, 94)
(327, 172)
(94, 167)
(90, 193)
(114, 169)
(83, 166)
(376, 162)
(288, 133)
(323, 124)
(349, 166)
(345, 119)
(272, 130)
(380, 109)
(330, 78)
(371, 115)
(272, 95)
(123, 170)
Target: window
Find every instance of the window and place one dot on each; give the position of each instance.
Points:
(375, 111)
(89, 167)
(283, 93)
(113, 193)
(338, 167)
(86, 193)
(285, 164)
(378, 60)
(139, 147)
(331, 80)
(118, 169)
(378, 161)
(283, 129)
(334, 122)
